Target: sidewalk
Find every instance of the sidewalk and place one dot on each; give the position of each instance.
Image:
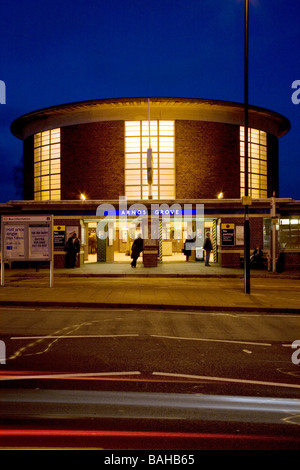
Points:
(167, 269)
(168, 286)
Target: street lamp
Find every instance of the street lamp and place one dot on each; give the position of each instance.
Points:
(246, 125)
(149, 158)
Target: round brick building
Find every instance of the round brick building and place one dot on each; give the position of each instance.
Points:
(98, 148)
(81, 156)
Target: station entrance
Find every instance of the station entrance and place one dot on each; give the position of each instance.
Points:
(172, 237)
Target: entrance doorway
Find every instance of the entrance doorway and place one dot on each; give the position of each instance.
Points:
(173, 235)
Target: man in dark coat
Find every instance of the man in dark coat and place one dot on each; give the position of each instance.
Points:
(136, 250)
(256, 259)
(208, 248)
(72, 249)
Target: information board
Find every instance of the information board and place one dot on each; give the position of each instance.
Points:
(59, 236)
(39, 242)
(26, 238)
(227, 234)
(14, 242)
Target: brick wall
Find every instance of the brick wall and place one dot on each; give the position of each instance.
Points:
(93, 160)
(60, 255)
(207, 160)
(256, 231)
(28, 171)
(272, 165)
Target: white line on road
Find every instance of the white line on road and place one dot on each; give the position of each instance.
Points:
(226, 379)
(67, 375)
(136, 335)
(213, 340)
(71, 336)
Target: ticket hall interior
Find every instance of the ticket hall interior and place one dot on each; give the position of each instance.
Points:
(170, 243)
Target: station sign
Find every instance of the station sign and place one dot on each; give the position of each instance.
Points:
(246, 200)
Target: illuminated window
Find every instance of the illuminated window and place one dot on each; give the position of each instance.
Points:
(136, 145)
(47, 165)
(289, 233)
(257, 163)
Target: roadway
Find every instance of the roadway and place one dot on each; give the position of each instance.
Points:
(237, 348)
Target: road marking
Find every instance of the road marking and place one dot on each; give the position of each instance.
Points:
(136, 335)
(67, 375)
(226, 379)
(71, 336)
(213, 340)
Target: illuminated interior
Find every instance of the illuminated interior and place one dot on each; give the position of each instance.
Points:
(47, 183)
(289, 233)
(257, 163)
(163, 151)
(173, 236)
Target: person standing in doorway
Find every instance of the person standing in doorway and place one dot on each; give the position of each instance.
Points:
(72, 249)
(136, 250)
(187, 247)
(208, 248)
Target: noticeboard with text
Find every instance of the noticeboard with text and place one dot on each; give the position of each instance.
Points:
(27, 238)
(227, 235)
(59, 236)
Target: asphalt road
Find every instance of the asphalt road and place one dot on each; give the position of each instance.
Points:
(221, 347)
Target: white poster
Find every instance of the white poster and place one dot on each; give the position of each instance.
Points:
(239, 234)
(14, 243)
(39, 243)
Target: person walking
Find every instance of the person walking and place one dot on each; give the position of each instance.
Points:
(208, 248)
(187, 247)
(136, 250)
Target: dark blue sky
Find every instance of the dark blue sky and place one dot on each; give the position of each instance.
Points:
(54, 52)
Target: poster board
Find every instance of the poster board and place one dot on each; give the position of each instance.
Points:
(27, 238)
(227, 235)
(239, 235)
(59, 236)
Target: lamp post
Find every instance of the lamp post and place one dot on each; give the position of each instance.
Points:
(149, 158)
(246, 206)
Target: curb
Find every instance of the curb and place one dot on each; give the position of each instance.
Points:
(163, 307)
(39, 275)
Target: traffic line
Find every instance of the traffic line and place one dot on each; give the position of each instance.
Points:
(213, 340)
(137, 335)
(226, 379)
(68, 375)
(70, 336)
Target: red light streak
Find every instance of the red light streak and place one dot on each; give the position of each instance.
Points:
(134, 434)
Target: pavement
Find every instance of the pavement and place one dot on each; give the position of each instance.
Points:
(171, 285)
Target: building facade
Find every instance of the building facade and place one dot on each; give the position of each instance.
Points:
(82, 155)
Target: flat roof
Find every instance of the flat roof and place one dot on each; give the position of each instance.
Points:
(136, 109)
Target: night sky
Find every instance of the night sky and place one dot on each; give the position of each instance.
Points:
(55, 52)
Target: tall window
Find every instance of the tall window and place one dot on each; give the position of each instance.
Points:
(136, 145)
(257, 162)
(47, 165)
